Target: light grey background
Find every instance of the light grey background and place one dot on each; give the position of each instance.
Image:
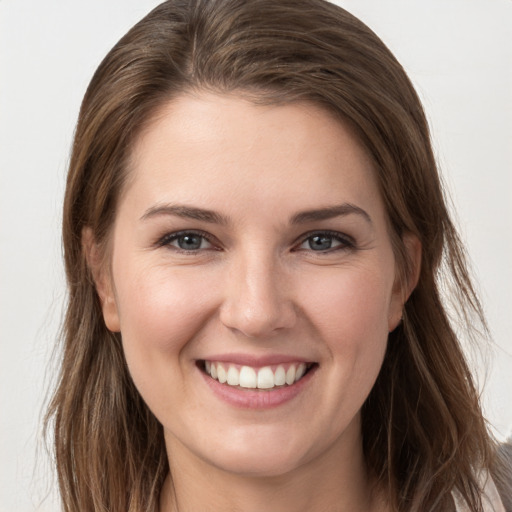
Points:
(459, 55)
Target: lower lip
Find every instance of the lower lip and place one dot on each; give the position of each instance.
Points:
(251, 399)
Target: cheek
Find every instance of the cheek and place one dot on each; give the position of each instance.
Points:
(160, 310)
(350, 310)
(160, 313)
(351, 301)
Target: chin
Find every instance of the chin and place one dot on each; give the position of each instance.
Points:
(251, 464)
(257, 452)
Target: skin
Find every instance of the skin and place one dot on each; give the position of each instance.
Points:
(255, 286)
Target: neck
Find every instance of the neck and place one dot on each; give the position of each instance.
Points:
(333, 481)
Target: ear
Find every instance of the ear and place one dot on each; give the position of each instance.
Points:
(102, 279)
(405, 282)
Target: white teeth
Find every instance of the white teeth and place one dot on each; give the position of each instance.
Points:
(248, 377)
(233, 376)
(221, 374)
(290, 375)
(265, 378)
(280, 376)
(301, 370)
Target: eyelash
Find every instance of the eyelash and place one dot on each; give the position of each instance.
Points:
(346, 242)
(167, 239)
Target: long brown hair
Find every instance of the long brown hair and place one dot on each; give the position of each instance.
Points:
(423, 430)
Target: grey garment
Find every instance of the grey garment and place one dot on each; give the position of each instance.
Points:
(505, 491)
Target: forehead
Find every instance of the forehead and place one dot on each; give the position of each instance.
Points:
(207, 146)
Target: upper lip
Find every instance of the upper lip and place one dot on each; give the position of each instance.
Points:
(256, 361)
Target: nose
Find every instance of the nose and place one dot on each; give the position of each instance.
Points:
(258, 301)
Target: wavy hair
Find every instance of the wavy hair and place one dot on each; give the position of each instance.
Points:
(423, 430)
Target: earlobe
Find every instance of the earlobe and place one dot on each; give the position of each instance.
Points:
(102, 280)
(110, 313)
(405, 286)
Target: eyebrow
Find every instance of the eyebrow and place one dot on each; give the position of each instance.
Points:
(186, 212)
(330, 212)
(210, 216)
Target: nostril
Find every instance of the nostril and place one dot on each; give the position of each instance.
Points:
(258, 320)
(256, 301)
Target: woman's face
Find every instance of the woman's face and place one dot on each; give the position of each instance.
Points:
(251, 242)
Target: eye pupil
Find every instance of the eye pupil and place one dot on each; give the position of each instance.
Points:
(189, 242)
(320, 242)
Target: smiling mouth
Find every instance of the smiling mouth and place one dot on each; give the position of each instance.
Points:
(266, 378)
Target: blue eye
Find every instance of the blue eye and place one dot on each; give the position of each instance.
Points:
(326, 241)
(186, 241)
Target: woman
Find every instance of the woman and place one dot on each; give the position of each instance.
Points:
(253, 230)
